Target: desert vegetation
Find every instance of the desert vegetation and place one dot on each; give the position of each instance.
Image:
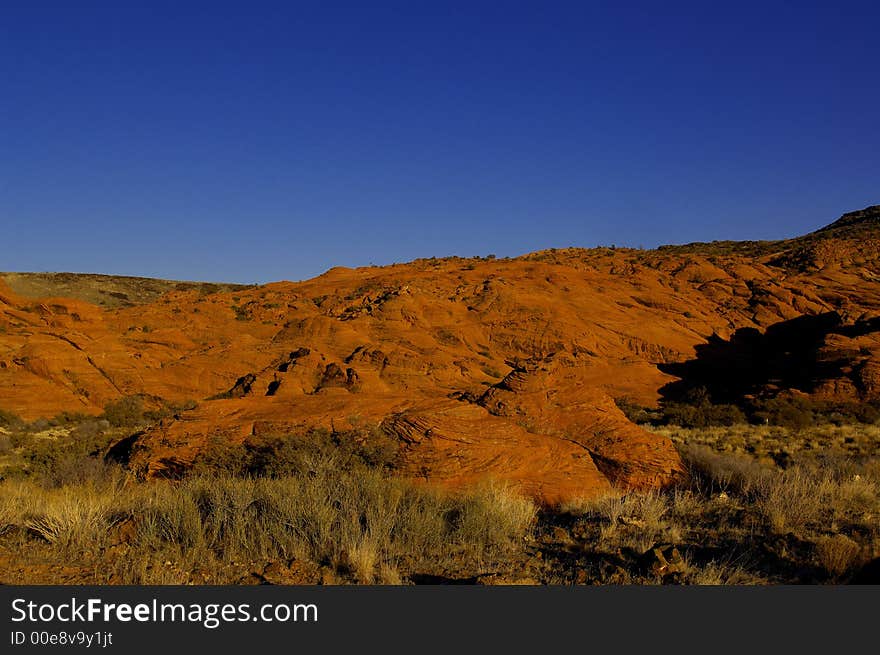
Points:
(697, 409)
(737, 520)
(303, 510)
(324, 526)
(104, 290)
(762, 505)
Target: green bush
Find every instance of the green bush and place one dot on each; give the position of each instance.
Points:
(169, 409)
(75, 459)
(696, 410)
(789, 412)
(66, 419)
(701, 415)
(10, 420)
(636, 413)
(126, 412)
(276, 456)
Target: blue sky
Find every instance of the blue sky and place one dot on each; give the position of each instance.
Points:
(260, 141)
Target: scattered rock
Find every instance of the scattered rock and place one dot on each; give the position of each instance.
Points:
(664, 561)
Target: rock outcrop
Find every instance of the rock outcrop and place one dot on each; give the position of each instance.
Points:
(478, 368)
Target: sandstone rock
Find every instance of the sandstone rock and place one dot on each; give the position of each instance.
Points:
(501, 369)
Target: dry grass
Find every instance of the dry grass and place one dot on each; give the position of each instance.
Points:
(791, 501)
(804, 498)
(815, 492)
(739, 520)
(838, 554)
(636, 520)
(69, 521)
(716, 573)
(716, 472)
(362, 557)
(361, 523)
(770, 444)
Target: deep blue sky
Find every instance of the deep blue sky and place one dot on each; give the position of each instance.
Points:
(260, 141)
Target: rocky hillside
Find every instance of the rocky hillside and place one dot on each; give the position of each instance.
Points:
(505, 368)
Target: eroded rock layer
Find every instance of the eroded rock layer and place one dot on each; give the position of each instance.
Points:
(479, 368)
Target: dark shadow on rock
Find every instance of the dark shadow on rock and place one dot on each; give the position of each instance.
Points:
(120, 452)
(786, 356)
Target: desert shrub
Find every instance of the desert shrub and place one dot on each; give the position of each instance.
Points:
(867, 413)
(166, 518)
(637, 519)
(851, 412)
(696, 409)
(726, 415)
(712, 472)
(10, 420)
(75, 459)
(636, 413)
(77, 469)
(837, 554)
(275, 456)
(90, 430)
(242, 313)
(67, 419)
(9, 511)
(39, 425)
(700, 415)
(852, 499)
(715, 573)
(490, 514)
(803, 498)
(71, 522)
(685, 505)
(799, 412)
(126, 412)
(72, 519)
(795, 413)
(794, 500)
(168, 409)
(684, 415)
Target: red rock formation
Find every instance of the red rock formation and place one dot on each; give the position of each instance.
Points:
(481, 368)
